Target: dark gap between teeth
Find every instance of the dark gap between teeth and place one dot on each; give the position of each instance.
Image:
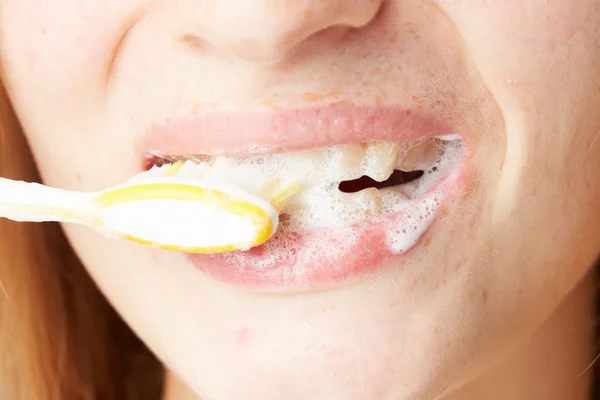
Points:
(154, 161)
(364, 182)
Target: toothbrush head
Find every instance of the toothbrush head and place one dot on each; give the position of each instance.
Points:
(176, 211)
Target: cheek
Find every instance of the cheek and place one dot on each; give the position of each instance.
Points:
(59, 52)
(55, 60)
(543, 51)
(545, 78)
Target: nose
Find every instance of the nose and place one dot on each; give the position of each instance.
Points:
(267, 30)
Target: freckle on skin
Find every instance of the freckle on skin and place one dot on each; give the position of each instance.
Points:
(243, 336)
(78, 177)
(484, 296)
(155, 255)
(415, 282)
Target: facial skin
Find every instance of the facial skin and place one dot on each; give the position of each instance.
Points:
(88, 78)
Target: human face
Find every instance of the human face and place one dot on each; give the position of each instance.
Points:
(516, 225)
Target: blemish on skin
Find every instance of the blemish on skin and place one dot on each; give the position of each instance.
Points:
(513, 83)
(78, 177)
(415, 282)
(313, 97)
(418, 100)
(243, 336)
(155, 256)
(484, 296)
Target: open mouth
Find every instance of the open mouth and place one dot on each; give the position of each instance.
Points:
(343, 184)
(374, 180)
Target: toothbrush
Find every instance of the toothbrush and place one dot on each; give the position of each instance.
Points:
(184, 207)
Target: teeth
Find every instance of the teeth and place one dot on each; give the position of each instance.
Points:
(316, 167)
(370, 200)
(351, 156)
(380, 160)
(418, 155)
(326, 166)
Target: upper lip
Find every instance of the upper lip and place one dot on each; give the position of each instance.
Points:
(269, 131)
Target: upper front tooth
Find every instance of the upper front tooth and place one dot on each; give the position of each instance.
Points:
(379, 161)
(414, 156)
(351, 155)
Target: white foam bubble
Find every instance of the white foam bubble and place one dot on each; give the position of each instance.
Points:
(322, 204)
(406, 230)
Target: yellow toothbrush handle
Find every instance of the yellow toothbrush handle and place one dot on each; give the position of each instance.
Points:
(33, 202)
(170, 212)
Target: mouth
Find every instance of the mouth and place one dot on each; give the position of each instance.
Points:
(365, 203)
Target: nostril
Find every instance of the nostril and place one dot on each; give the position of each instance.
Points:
(194, 42)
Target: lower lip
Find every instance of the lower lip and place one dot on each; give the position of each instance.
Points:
(328, 256)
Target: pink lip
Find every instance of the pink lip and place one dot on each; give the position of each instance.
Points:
(255, 131)
(322, 256)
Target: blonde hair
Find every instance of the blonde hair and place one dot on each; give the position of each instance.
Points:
(59, 337)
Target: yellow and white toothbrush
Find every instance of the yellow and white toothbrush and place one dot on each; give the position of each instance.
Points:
(184, 207)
